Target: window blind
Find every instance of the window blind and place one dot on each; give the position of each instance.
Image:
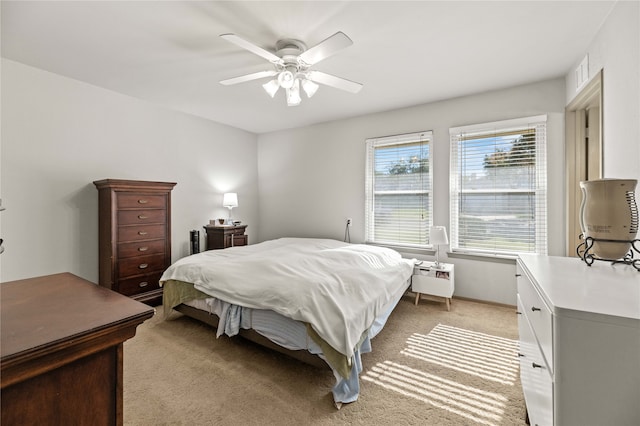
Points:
(398, 190)
(499, 187)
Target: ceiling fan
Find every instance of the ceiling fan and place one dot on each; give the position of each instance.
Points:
(292, 64)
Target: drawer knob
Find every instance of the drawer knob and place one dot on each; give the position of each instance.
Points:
(534, 365)
(142, 201)
(518, 313)
(533, 308)
(143, 284)
(143, 248)
(143, 266)
(518, 275)
(142, 217)
(521, 355)
(142, 232)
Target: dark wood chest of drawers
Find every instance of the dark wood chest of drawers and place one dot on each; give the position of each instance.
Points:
(135, 236)
(62, 351)
(220, 237)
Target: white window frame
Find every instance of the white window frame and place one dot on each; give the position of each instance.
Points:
(538, 189)
(370, 194)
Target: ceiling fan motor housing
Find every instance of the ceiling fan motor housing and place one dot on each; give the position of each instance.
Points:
(289, 50)
(290, 47)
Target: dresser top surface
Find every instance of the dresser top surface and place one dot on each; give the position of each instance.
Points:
(225, 227)
(568, 283)
(133, 185)
(41, 311)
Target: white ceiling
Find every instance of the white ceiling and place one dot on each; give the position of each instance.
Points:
(405, 53)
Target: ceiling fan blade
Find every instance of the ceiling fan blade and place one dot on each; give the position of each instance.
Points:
(248, 77)
(326, 48)
(333, 81)
(239, 41)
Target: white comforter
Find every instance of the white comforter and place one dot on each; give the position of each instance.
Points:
(338, 288)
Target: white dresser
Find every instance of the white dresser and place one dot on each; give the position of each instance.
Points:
(579, 341)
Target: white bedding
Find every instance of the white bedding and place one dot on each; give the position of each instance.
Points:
(293, 335)
(338, 288)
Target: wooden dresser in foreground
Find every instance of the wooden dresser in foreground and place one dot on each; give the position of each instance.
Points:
(62, 350)
(135, 236)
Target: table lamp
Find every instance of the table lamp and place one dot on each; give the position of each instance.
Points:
(437, 236)
(230, 200)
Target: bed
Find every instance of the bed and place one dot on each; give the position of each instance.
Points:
(319, 300)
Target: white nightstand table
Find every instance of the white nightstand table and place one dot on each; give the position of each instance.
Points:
(432, 281)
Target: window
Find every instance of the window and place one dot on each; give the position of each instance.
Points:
(398, 190)
(498, 187)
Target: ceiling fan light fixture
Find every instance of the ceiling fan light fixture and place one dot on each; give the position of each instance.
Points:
(309, 87)
(293, 94)
(286, 78)
(271, 87)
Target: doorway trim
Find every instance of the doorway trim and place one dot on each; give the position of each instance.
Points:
(584, 160)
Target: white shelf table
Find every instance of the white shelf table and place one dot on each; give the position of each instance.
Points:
(434, 281)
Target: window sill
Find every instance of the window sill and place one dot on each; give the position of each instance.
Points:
(492, 257)
(406, 249)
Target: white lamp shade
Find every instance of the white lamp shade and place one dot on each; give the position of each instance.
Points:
(271, 87)
(438, 235)
(309, 87)
(230, 199)
(293, 94)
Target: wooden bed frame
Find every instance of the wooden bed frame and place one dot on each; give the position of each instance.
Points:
(253, 336)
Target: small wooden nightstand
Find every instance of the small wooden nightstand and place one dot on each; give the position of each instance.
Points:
(433, 281)
(221, 237)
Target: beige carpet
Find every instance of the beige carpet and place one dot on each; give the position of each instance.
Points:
(428, 367)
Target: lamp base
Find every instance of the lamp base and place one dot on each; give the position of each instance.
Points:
(437, 264)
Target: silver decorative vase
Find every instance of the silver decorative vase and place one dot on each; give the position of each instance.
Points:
(609, 212)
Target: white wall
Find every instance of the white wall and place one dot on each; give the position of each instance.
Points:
(59, 135)
(616, 51)
(312, 178)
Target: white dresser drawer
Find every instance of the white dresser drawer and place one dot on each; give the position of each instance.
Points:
(537, 383)
(538, 314)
